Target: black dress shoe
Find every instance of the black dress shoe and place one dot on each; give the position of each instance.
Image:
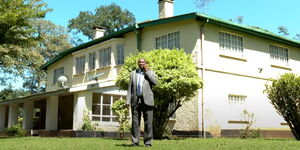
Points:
(134, 145)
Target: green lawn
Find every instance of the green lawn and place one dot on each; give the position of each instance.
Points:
(33, 143)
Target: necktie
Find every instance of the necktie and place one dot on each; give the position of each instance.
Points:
(140, 82)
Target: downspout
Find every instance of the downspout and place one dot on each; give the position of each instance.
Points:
(138, 38)
(202, 76)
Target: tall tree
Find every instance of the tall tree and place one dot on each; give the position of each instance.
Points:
(16, 35)
(297, 37)
(53, 39)
(9, 93)
(110, 17)
(202, 4)
(178, 82)
(238, 19)
(283, 30)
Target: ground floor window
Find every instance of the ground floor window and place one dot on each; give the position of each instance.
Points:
(102, 107)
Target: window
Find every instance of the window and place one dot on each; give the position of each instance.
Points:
(236, 108)
(236, 99)
(279, 55)
(105, 57)
(171, 108)
(231, 44)
(120, 54)
(169, 41)
(92, 60)
(80, 64)
(101, 110)
(57, 73)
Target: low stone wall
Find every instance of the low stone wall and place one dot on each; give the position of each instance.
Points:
(233, 133)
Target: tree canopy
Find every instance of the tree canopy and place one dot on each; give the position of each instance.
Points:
(178, 81)
(52, 40)
(17, 35)
(110, 17)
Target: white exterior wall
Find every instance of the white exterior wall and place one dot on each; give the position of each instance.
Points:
(28, 115)
(51, 113)
(82, 102)
(217, 108)
(225, 74)
(13, 114)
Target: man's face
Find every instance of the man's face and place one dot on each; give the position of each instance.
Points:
(141, 63)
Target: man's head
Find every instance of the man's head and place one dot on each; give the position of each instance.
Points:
(142, 63)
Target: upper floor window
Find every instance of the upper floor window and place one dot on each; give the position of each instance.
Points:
(105, 57)
(120, 54)
(57, 73)
(279, 54)
(80, 64)
(231, 44)
(169, 41)
(92, 60)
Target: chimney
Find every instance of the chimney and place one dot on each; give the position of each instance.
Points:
(98, 32)
(165, 8)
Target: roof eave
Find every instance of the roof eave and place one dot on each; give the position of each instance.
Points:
(249, 30)
(88, 44)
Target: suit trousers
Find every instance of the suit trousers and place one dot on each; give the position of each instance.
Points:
(147, 112)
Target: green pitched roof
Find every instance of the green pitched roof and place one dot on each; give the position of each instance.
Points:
(197, 16)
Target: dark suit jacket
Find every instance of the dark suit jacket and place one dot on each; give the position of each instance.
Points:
(149, 81)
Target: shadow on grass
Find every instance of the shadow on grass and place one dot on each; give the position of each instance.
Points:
(11, 137)
(279, 139)
(125, 145)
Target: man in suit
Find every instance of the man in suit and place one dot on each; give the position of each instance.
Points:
(140, 98)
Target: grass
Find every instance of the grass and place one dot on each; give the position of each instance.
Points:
(38, 143)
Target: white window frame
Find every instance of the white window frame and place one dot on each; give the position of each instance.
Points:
(57, 72)
(171, 107)
(120, 54)
(98, 101)
(80, 64)
(279, 55)
(237, 104)
(92, 61)
(231, 44)
(105, 57)
(168, 41)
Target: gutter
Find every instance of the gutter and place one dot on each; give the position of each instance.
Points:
(203, 79)
(138, 32)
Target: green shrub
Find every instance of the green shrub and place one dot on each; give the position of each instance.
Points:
(87, 124)
(178, 82)
(248, 131)
(16, 131)
(121, 111)
(284, 94)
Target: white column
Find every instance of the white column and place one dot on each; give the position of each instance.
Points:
(2, 118)
(28, 115)
(82, 101)
(13, 114)
(51, 113)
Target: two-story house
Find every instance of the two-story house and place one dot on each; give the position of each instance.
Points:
(233, 60)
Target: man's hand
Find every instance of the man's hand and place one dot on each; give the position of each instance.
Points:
(145, 68)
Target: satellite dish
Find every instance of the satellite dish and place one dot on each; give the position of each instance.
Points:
(62, 81)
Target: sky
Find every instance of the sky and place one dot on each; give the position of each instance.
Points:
(266, 14)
